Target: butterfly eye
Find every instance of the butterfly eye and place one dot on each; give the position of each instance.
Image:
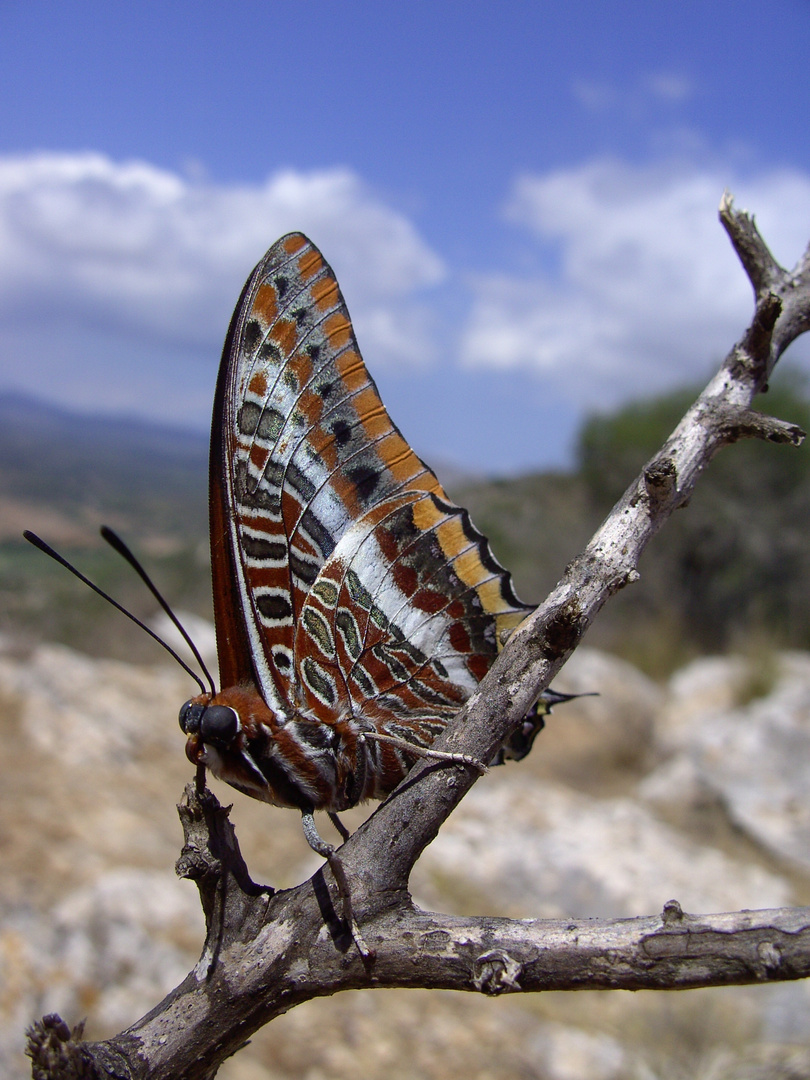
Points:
(190, 717)
(219, 724)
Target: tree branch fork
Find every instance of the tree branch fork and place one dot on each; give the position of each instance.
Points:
(267, 951)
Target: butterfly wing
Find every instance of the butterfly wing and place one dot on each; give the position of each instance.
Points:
(363, 591)
(234, 653)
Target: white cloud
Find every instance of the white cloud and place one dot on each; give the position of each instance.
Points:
(91, 247)
(594, 95)
(636, 98)
(117, 280)
(670, 86)
(647, 292)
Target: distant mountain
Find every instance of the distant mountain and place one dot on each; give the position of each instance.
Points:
(68, 459)
(149, 476)
(63, 474)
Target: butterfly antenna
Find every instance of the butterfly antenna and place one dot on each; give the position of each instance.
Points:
(115, 542)
(32, 538)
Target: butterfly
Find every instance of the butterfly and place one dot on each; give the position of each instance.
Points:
(356, 606)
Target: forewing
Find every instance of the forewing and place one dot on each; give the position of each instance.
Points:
(364, 590)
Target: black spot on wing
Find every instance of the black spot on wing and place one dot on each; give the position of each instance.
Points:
(274, 551)
(264, 497)
(264, 423)
(318, 736)
(303, 569)
(274, 607)
(318, 533)
(252, 336)
(366, 479)
(269, 351)
(342, 432)
(318, 681)
(298, 480)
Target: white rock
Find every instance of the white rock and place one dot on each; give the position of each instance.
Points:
(125, 939)
(704, 688)
(597, 735)
(755, 758)
(82, 709)
(116, 941)
(114, 948)
(530, 849)
(569, 1053)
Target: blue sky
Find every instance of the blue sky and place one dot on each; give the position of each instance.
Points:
(519, 199)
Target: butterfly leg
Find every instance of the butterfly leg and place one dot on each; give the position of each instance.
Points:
(341, 828)
(425, 751)
(326, 851)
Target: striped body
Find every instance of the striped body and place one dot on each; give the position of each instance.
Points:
(350, 594)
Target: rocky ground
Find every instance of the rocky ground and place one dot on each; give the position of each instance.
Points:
(695, 790)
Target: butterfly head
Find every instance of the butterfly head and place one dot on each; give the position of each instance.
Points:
(223, 735)
(216, 733)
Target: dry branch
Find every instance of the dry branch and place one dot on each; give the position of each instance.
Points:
(266, 952)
